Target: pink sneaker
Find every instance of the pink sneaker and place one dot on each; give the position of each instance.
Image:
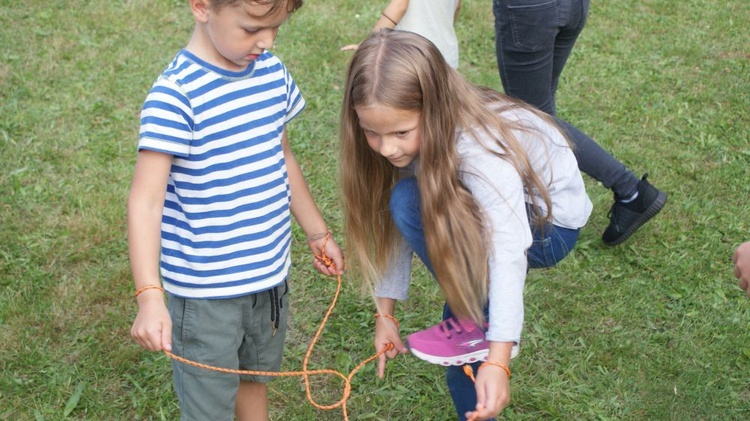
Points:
(451, 343)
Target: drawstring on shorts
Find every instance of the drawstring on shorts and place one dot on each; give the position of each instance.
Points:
(276, 306)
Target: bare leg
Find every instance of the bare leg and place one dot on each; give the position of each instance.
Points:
(252, 402)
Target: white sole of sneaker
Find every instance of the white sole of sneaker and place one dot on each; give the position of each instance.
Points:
(460, 360)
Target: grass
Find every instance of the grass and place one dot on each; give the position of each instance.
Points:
(653, 329)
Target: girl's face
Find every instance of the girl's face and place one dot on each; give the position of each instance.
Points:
(235, 35)
(391, 132)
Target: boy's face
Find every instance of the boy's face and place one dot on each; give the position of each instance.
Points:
(237, 34)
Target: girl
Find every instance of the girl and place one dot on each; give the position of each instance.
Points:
(477, 185)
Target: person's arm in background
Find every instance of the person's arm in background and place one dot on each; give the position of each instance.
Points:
(741, 260)
(389, 18)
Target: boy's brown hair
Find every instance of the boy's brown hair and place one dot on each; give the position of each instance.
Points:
(291, 5)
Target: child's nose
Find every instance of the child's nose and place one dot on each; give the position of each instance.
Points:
(387, 146)
(266, 38)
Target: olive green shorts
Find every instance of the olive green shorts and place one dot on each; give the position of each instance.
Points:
(245, 333)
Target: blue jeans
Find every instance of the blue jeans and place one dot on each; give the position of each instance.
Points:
(533, 40)
(550, 245)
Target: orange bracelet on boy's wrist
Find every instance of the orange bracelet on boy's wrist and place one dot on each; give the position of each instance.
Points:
(147, 287)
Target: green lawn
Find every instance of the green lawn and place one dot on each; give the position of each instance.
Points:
(653, 329)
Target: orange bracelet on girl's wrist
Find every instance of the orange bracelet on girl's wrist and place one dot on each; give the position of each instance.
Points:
(497, 364)
(388, 316)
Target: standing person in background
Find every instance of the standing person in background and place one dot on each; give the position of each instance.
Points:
(741, 260)
(209, 212)
(433, 19)
(533, 40)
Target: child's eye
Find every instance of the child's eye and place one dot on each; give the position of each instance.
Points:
(402, 134)
(251, 31)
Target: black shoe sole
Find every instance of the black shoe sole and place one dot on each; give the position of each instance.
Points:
(653, 210)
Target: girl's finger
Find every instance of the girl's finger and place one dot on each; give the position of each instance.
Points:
(381, 366)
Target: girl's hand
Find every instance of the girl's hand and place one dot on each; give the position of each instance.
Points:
(329, 248)
(493, 392)
(386, 332)
(152, 328)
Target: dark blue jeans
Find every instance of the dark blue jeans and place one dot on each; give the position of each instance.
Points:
(550, 245)
(533, 40)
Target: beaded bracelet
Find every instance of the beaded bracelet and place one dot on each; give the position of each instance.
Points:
(497, 364)
(147, 287)
(388, 316)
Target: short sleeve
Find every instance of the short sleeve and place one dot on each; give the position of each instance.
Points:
(166, 120)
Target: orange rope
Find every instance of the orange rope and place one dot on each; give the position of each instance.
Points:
(305, 373)
(470, 374)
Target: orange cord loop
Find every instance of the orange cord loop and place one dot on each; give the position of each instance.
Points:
(305, 373)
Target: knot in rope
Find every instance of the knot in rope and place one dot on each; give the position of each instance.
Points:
(327, 261)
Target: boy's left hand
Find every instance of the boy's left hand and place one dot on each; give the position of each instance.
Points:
(333, 252)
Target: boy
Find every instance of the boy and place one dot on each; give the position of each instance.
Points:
(210, 204)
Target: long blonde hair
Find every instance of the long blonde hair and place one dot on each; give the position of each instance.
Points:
(405, 71)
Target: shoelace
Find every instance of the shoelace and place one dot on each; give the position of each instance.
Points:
(451, 324)
(612, 215)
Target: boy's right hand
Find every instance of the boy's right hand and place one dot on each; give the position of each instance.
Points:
(386, 332)
(152, 327)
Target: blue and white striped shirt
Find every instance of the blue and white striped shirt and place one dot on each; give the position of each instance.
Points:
(226, 227)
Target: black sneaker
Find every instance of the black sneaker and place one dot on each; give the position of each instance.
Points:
(626, 218)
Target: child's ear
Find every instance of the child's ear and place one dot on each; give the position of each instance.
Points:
(200, 10)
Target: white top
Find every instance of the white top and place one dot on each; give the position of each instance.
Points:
(498, 189)
(433, 19)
